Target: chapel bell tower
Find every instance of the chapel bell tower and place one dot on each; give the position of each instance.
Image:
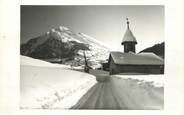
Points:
(129, 40)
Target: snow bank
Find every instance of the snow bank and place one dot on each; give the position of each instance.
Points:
(35, 62)
(42, 85)
(140, 91)
(155, 80)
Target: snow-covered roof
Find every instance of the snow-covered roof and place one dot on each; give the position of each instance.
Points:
(136, 59)
(129, 37)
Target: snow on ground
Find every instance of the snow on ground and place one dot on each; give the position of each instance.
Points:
(140, 91)
(127, 92)
(36, 62)
(49, 86)
(155, 80)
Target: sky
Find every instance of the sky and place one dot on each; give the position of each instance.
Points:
(104, 23)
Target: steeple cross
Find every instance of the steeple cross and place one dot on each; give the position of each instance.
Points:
(128, 23)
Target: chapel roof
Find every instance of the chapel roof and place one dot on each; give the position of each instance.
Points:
(128, 36)
(136, 59)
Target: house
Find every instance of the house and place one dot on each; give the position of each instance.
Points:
(131, 63)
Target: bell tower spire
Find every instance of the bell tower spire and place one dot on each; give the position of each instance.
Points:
(129, 40)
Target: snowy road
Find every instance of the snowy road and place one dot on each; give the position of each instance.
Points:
(118, 93)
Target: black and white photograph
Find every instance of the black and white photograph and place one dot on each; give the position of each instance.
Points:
(107, 57)
(91, 57)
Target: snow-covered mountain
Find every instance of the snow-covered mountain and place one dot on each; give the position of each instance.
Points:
(62, 45)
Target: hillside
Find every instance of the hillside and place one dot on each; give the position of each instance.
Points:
(158, 49)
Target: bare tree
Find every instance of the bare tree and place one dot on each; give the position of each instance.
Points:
(86, 67)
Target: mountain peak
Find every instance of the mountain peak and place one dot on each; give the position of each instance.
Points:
(58, 29)
(62, 43)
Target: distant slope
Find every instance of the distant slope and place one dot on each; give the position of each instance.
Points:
(65, 45)
(158, 49)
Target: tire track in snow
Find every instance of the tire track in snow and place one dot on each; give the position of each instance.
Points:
(101, 98)
(85, 97)
(99, 103)
(111, 99)
(91, 102)
(122, 94)
(115, 93)
(89, 99)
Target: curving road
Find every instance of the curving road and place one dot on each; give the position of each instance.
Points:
(117, 93)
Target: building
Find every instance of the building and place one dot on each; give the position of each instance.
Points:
(131, 63)
(143, 63)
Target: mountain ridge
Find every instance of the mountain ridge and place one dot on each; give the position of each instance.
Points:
(158, 49)
(62, 43)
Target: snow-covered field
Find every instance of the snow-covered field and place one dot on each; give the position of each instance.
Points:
(51, 86)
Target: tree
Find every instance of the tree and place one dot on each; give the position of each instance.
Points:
(86, 67)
